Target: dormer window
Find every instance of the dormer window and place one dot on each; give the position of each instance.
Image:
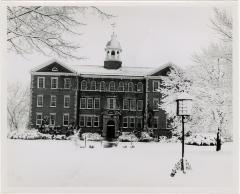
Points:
(54, 69)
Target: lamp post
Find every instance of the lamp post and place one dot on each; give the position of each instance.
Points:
(184, 108)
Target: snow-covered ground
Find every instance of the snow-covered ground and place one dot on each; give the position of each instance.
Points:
(48, 163)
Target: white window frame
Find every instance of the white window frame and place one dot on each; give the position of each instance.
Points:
(66, 96)
(54, 78)
(141, 107)
(132, 84)
(154, 108)
(112, 83)
(85, 99)
(93, 83)
(83, 121)
(102, 86)
(121, 85)
(38, 100)
(125, 122)
(140, 87)
(52, 114)
(88, 99)
(95, 99)
(154, 121)
(86, 120)
(37, 114)
(131, 122)
(131, 100)
(109, 103)
(51, 101)
(125, 101)
(158, 83)
(84, 81)
(95, 121)
(65, 81)
(39, 82)
(66, 114)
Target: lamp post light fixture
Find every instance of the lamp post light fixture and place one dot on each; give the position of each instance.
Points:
(184, 109)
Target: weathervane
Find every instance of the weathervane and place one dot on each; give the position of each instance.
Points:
(113, 26)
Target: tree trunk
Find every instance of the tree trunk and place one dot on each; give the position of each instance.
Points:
(218, 143)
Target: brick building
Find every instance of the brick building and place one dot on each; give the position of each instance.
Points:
(107, 99)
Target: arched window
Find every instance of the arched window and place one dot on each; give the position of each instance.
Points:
(130, 87)
(84, 85)
(113, 53)
(121, 86)
(93, 85)
(102, 86)
(140, 87)
(111, 86)
(117, 52)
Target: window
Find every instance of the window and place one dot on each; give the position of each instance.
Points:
(126, 86)
(102, 86)
(140, 87)
(131, 122)
(39, 100)
(155, 122)
(88, 121)
(139, 122)
(95, 121)
(65, 119)
(133, 104)
(54, 82)
(139, 105)
(89, 103)
(130, 87)
(52, 119)
(39, 119)
(82, 121)
(111, 103)
(83, 85)
(121, 86)
(156, 85)
(155, 104)
(93, 85)
(66, 101)
(41, 82)
(125, 122)
(125, 104)
(97, 103)
(112, 86)
(113, 53)
(67, 83)
(83, 103)
(53, 101)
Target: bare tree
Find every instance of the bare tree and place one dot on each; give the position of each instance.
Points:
(17, 106)
(45, 29)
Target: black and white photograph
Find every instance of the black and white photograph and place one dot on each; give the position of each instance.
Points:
(119, 97)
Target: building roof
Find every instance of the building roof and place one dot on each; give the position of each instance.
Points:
(100, 70)
(113, 43)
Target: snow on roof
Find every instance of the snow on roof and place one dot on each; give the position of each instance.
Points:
(100, 70)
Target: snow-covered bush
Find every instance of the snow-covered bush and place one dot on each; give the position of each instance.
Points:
(127, 137)
(92, 136)
(202, 139)
(28, 135)
(145, 137)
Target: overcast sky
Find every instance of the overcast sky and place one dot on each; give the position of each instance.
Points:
(149, 36)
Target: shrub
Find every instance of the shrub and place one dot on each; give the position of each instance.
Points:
(28, 135)
(92, 136)
(127, 137)
(145, 137)
(202, 139)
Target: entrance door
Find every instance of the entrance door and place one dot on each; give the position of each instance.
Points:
(110, 130)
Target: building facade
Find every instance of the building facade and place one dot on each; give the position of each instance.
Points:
(107, 99)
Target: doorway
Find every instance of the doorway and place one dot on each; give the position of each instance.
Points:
(110, 135)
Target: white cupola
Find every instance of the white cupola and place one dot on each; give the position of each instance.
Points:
(113, 50)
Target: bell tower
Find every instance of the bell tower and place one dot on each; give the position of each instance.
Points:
(113, 53)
